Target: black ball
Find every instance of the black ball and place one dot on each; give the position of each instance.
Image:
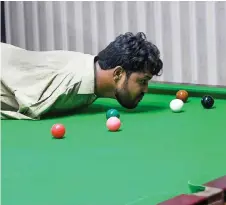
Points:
(207, 102)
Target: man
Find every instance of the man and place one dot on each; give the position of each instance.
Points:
(35, 84)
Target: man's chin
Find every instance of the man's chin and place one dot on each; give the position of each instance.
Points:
(126, 105)
(129, 106)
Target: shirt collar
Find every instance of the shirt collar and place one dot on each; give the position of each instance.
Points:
(87, 85)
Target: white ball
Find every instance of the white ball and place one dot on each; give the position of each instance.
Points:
(176, 105)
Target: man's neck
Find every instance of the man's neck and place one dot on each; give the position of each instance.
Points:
(104, 87)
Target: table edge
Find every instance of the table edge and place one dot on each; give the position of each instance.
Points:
(194, 90)
(193, 199)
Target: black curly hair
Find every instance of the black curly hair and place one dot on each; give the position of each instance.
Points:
(133, 53)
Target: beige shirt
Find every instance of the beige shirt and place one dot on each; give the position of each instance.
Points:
(35, 83)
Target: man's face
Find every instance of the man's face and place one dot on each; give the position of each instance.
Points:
(130, 90)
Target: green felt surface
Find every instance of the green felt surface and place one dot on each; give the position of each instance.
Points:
(150, 160)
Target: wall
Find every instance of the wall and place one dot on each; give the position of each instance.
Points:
(190, 35)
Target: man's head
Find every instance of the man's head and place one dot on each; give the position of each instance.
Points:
(134, 61)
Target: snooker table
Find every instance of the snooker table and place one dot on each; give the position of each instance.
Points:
(148, 161)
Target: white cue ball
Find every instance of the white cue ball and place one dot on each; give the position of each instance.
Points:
(176, 105)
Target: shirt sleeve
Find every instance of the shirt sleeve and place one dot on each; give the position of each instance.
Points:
(37, 79)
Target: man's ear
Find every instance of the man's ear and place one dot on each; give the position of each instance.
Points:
(118, 73)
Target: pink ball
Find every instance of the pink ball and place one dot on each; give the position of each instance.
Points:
(113, 124)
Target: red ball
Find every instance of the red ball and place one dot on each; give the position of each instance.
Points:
(58, 131)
